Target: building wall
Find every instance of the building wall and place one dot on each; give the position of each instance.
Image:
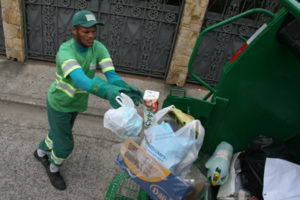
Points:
(12, 19)
(191, 22)
(189, 29)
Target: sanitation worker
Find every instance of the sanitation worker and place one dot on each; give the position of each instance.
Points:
(76, 63)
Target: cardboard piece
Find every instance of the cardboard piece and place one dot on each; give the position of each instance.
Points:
(154, 178)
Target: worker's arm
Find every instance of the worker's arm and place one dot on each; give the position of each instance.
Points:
(97, 86)
(80, 79)
(113, 78)
(135, 94)
(108, 70)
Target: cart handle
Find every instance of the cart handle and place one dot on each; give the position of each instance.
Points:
(212, 90)
(292, 6)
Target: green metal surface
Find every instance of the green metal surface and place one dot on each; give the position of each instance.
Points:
(201, 108)
(227, 21)
(198, 108)
(292, 6)
(256, 94)
(261, 86)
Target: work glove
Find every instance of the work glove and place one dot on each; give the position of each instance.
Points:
(135, 94)
(105, 90)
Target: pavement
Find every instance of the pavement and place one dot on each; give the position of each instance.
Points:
(91, 167)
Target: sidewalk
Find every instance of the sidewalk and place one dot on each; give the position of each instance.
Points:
(28, 83)
(23, 121)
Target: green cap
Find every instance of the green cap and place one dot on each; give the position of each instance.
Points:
(85, 18)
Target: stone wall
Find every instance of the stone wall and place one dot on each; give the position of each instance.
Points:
(189, 29)
(12, 19)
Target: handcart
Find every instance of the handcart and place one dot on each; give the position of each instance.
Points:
(258, 91)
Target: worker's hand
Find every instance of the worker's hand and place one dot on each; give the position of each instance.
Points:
(135, 94)
(105, 90)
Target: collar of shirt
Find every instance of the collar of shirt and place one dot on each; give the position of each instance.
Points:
(81, 49)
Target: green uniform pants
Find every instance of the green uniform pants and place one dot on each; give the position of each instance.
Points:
(59, 140)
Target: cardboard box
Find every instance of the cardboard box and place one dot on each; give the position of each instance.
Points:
(154, 178)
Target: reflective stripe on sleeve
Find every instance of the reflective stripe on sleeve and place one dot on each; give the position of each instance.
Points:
(69, 65)
(57, 161)
(108, 69)
(79, 90)
(65, 87)
(106, 65)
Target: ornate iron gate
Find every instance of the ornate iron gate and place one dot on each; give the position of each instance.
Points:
(2, 43)
(218, 46)
(139, 34)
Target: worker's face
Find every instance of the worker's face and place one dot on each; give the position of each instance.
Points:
(84, 36)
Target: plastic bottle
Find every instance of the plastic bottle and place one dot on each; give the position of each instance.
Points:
(218, 164)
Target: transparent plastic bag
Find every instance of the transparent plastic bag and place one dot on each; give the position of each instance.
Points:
(199, 183)
(174, 149)
(123, 121)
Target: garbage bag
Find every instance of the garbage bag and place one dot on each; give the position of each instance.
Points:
(254, 158)
(286, 175)
(123, 121)
(174, 142)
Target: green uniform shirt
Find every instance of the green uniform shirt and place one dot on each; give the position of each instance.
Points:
(63, 95)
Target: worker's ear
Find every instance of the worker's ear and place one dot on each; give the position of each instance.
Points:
(74, 30)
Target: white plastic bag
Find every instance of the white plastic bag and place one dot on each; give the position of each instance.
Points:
(175, 150)
(123, 121)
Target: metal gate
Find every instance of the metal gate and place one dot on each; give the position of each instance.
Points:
(2, 43)
(219, 45)
(139, 34)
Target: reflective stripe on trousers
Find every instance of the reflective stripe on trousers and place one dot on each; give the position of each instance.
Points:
(49, 142)
(56, 160)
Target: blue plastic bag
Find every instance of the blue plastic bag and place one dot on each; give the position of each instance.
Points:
(174, 150)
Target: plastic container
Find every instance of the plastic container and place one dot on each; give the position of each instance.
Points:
(218, 164)
(150, 106)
